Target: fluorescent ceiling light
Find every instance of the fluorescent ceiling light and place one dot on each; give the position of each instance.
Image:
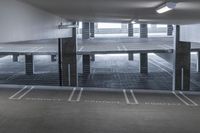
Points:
(166, 7)
(133, 22)
(61, 26)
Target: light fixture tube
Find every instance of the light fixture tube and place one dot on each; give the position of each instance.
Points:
(166, 7)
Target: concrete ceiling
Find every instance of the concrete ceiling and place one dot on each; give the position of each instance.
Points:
(186, 12)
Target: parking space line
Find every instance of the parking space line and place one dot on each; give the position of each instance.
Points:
(79, 95)
(133, 95)
(12, 97)
(160, 67)
(118, 48)
(126, 97)
(71, 95)
(180, 99)
(25, 93)
(82, 47)
(194, 103)
(124, 47)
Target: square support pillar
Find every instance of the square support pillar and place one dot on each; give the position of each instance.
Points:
(130, 56)
(92, 30)
(85, 30)
(53, 58)
(143, 31)
(68, 60)
(169, 30)
(181, 71)
(130, 30)
(86, 65)
(29, 65)
(92, 57)
(15, 58)
(143, 63)
(198, 62)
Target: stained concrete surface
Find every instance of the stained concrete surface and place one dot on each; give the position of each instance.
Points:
(49, 110)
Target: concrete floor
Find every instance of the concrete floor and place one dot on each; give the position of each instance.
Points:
(115, 71)
(88, 110)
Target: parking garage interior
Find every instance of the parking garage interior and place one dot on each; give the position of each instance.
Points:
(99, 67)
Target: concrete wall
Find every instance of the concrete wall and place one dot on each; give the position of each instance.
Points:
(190, 33)
(21, 22)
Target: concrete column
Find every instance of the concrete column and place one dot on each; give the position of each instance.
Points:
(198, 61)
(29, 65)
(144, 63)
(85, 30)
(181, 71)
(15, 58)
(143, 56)
(92, 57)
(86, 65)
(53, 58)
(153, 28)
(92, 31)
(68, 61)
(130, 56)
(169, 30)
(130, 30)
(143, 31)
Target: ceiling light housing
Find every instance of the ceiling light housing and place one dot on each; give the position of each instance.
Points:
(133, 22)
(166, 7)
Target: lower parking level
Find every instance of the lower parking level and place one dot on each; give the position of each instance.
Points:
(35, 109)
(107, 71)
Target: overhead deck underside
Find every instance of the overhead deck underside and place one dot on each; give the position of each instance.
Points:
(186, 12)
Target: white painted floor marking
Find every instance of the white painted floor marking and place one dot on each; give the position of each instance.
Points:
(12, 97)
(12, 76)
(124, 47)
(163, 104)
(118, 48)
(180, 98)
(43, 99)
(81, 48)
(194, 103)
(71, 95)
(79, 95)
(37, 48)
(107, 102)
(133, 95)
(25, 93)
(160, 67)
(126, 97)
